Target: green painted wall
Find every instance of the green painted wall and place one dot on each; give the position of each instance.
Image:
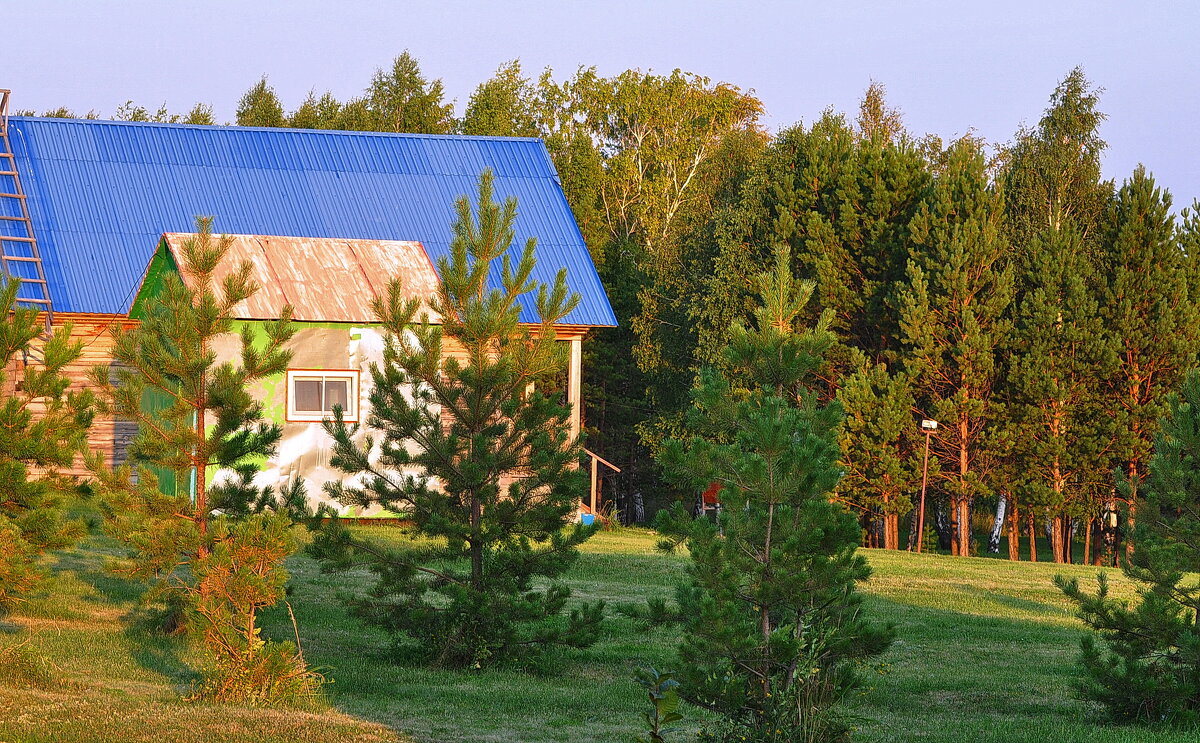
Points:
(316, 345)
(161, 265)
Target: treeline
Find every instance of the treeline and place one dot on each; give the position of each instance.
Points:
(1037, 311)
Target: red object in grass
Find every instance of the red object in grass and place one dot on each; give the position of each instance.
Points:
(710, 495)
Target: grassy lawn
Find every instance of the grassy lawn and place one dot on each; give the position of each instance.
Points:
(985, 652)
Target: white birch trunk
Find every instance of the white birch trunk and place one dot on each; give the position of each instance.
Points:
(998, 525)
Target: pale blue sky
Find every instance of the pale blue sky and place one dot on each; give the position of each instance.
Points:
(950, 66)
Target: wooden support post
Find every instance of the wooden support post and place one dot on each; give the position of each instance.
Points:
(594, 483)
(575, 386)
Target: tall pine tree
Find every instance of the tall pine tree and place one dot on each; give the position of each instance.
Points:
(953, 316)
(1148, 304)
(1058, 351)
(880, 450)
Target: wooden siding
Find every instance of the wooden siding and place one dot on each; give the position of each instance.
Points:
(107, 435)
(110, 437)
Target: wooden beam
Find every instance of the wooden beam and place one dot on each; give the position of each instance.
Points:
(575, 386)
(594, 483)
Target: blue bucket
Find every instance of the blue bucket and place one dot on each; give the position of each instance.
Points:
(587, 519)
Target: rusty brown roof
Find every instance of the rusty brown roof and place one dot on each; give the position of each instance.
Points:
(324, 279)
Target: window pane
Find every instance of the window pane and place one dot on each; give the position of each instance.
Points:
(307, 394)
(337, 392)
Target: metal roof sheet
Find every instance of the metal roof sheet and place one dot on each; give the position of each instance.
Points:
(101, 194)
(323, 279)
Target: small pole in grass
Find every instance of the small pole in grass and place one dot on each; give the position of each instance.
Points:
(928, 426)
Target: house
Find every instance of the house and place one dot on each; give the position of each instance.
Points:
(337, 336)
(329, 212)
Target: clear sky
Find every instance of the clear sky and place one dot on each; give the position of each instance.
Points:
(950, 65)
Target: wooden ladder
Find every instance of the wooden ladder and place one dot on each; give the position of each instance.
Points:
(19, 254)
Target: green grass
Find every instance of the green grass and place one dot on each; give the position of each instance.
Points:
(985, 651)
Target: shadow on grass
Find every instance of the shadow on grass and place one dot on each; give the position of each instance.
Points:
(946, 664)
(1013, 602)
(155, 650)
(90, 568)
(151, 647)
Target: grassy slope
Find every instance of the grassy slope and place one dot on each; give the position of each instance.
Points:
(985, 652)
(112, 682)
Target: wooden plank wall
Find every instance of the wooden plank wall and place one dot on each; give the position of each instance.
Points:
(107, 435)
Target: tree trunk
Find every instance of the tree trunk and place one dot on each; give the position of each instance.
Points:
(962, 504)
(875, 530)
(1135, 395)
(891, 531)
(765, 610)
(1032, 539)
(201, 469)
(1108, 532)
(941, 522)
(998, 524)
(476, 543)
(953, 524)
(1130, 522)
(1014, 534)
(1056, 538)
(1060, 544)
(964, 526)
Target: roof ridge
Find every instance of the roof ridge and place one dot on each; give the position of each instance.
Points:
(272, 129)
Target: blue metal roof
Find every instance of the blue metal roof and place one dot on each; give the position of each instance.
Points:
(101, 193)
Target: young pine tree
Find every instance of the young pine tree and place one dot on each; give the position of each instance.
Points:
(41, 426)
(216, 551)
(1144, 663)
(773, 621)
(481, 461)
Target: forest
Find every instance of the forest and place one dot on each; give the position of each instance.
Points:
(1039, 312)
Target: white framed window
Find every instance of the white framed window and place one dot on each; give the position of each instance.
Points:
(313, 393)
